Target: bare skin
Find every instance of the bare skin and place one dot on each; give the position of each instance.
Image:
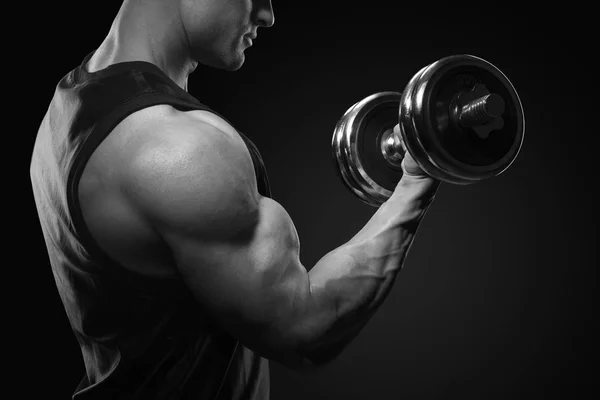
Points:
(172, 193)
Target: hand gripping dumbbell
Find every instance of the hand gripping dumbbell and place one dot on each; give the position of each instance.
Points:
(460, 118)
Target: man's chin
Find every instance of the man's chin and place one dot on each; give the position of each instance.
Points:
(237, 63)
(232, 64)
(234, 67)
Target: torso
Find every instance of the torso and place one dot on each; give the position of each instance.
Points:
(118, 228)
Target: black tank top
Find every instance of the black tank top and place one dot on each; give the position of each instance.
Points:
(140, 337)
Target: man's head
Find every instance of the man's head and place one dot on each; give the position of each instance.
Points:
(218, 31)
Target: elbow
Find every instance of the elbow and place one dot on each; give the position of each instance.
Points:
(312, 358)
(315, 362)
(303, 362)
(303, 345)
(304, 358)
(313, 352)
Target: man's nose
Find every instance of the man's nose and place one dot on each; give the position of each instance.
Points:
(264, 13)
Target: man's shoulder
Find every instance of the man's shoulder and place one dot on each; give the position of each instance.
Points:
(192, 162)
(162, 161)
(163, 128)
(164, 123)
(161, 138)
(191, 135)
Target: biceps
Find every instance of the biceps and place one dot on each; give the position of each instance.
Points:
(254, 285)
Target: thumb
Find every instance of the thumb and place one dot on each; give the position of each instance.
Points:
(411, 168)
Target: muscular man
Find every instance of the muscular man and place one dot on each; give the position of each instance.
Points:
(179, 274)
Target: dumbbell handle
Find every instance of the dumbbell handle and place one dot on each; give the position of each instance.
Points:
(481, 111)
(477, 112)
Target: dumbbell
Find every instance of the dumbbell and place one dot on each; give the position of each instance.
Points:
(460, 118)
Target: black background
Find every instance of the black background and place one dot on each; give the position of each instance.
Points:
(496, 296)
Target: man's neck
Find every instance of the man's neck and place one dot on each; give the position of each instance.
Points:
(138, 35)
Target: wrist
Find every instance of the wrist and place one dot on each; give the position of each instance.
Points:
(416, 189)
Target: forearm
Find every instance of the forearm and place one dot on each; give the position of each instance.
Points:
(349, 284)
